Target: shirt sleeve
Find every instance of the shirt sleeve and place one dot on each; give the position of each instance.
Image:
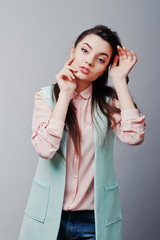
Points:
(130, 125)
(46, 132)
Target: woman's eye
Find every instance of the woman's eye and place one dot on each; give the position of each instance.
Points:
(101, 60)
(84, 50)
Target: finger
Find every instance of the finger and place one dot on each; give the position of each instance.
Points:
(128, 53)
(124, 53)
(65, 76)
(134, 57)
(69, 74)
(72, 68)
(121, 52)
(69, 61)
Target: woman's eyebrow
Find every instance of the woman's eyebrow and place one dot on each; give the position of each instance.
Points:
(102, 53)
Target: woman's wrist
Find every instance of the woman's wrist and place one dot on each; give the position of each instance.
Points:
(119, 81)
(67, 96)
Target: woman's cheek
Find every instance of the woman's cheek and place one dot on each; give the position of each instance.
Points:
(75, 64)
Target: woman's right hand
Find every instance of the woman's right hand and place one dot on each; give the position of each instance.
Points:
(66, 78)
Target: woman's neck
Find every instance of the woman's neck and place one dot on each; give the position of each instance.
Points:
(81, 86)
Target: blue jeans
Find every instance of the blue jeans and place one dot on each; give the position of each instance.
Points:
(76, 225)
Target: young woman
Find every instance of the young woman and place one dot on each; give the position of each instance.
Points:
(74, 193)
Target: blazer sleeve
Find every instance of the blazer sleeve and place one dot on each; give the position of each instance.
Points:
(130, 125)
(46, 132)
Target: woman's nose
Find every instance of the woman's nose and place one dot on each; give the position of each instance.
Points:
(90, 60)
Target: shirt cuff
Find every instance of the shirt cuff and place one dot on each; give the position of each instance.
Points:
(130, 113)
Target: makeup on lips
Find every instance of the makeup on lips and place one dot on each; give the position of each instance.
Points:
(84, 70)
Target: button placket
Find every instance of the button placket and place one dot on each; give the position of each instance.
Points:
(79, 107)
(75, 182)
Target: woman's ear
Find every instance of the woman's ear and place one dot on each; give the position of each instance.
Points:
(72, 51)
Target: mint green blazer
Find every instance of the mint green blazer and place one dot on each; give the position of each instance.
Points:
(43, 210)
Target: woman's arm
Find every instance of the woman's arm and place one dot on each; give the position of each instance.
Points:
(61, 107)
(130, 123)
(124, 97)
(48, 125)
(46, 130)
(119, 75)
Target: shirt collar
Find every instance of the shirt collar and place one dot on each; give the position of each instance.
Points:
(84, 94)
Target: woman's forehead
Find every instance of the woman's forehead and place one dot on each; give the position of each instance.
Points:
(95, 42)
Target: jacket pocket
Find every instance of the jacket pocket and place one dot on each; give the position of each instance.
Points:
(112, 208)
(37, 204)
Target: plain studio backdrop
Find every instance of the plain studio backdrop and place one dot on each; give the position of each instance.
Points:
(35, 41)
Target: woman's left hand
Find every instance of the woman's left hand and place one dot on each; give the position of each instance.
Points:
(127, 59)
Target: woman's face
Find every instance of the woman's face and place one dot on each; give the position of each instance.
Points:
(92, 53)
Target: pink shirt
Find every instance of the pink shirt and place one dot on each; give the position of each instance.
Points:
(47, 134)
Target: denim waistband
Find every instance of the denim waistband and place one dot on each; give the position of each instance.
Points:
(79, 212)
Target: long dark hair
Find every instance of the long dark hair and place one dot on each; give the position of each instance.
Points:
(100, 89)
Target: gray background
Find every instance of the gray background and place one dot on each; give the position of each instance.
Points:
(35, 41)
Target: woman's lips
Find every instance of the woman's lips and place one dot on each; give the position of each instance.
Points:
(84, 70)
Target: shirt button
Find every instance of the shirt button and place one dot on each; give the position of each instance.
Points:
(76, 176)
